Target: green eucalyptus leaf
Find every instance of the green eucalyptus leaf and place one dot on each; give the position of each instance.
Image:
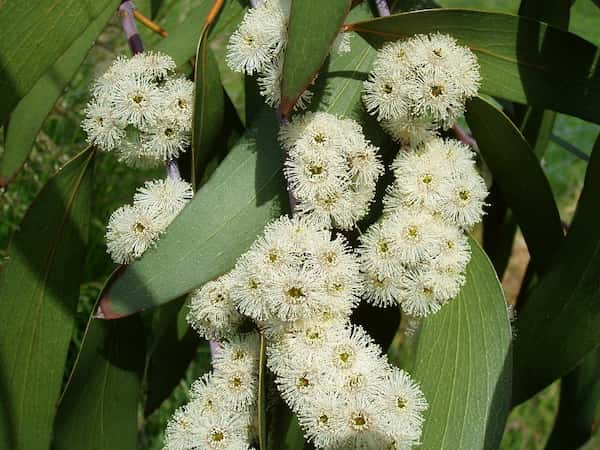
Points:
(579, 396)
(519, 177)
(171, 348)
(209, 106)
(39, 288)
(310, 35)
(562, 78)
(558, 324)
(27, 118)
(35, 34)
(463, 363)
(100, 407)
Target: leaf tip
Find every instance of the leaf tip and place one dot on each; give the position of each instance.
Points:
(105, 310)
(5, 180)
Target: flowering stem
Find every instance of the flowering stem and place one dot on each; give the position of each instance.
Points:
(173, 169)
(262, 416)
(382, 8)
(127, 14)
(292, 198)
(464, 137)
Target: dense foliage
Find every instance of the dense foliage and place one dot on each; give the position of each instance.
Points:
(347, 183)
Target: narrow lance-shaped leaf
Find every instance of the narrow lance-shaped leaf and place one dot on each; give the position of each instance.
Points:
(39, 288)
(558, 324)
(519, 177)
(579, 396)
(463, 362)
(100, 407)
(564, 77)
(34, 35)
(499, 224)
(209, 105)
(536, 124)
(312, 28)
(27, 118)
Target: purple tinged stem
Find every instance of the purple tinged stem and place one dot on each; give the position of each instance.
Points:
(382, 8)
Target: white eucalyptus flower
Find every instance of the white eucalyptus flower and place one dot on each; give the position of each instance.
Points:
(102, 128)
(140, 110)
(420, 84)
(130, 231)
(212, 311)
(166, 196)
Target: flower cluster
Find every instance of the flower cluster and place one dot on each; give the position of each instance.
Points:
(133, 228)
(343, 390)
(299, 284)
(420, 84)
(141, 110)
(331, 168)
(258, 45)
(416, 255)
(222, 411)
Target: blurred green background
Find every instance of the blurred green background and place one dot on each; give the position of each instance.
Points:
(61, 138)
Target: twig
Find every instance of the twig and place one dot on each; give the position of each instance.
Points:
(150, 24)
(569, 147)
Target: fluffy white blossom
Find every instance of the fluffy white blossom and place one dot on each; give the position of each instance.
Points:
(439, 176)
(221, 412)
(339, 384)
(295, 271)
(130, 231)
(417, 254)
(299, 283)
(134, 228)
(212, 311)
(140, 110)
(332, 169)
(167, 195)
(423, 80)
(258, 45)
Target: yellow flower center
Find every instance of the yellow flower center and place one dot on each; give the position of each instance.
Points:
(217, 436)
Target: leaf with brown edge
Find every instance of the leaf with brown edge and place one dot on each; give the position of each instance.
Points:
(313, 26)
(564, 77)
(39, 288)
